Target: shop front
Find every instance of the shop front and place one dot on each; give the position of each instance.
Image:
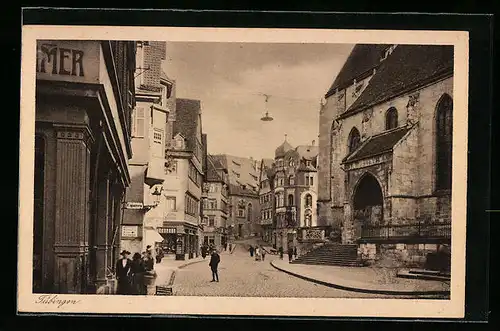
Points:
(180, 238)
(82, 146)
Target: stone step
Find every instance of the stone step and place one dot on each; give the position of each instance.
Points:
(324, 260)
(428, 272)
(330, 263)
(408, 275)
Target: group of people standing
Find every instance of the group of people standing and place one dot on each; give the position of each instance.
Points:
(259, 251)
(292, 252)
(133, 275)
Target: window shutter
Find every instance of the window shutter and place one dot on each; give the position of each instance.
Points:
(139, 122)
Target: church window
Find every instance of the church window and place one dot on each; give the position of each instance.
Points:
(391, 119)
(354, 140)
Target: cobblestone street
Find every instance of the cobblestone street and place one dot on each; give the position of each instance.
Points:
(241, 275)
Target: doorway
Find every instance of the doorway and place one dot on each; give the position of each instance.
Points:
(368, 205)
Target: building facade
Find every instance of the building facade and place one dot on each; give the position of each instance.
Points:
(294, 182)
(215, 205)
(386, 148)
(243, 178)
(266, 199)
(181, 227)
(143, 209)
(84, 100)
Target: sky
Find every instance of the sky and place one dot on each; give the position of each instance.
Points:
(231, 78)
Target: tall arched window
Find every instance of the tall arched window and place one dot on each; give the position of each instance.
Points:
(444, 135)
(249, 212)
(354, 140)
(308, 201)
(391, 119)
(291, 201)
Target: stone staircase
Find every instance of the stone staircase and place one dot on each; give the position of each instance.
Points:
(332, 254)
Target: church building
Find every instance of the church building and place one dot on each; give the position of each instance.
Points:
(385, 150)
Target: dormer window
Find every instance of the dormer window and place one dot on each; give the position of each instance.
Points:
(308, 163)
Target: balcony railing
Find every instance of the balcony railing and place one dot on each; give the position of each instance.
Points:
(423, 231)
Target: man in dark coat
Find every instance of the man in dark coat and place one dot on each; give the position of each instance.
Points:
(251, 251)
(123, 266)
(214, 264)
(290, 254)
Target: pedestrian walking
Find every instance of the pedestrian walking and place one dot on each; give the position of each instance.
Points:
(214, 264)
(225, 246)
(251, 251)
(280, 250)
(159, 254)
(290, 254)
(230, 247)
(295, 252)
(123, 266)
(203, 252)
(263, 254)
(137, 270)
(257, 253)
(149, 273)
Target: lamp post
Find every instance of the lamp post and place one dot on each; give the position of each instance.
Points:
(157, 195)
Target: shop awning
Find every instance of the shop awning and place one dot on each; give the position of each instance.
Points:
(152, 235)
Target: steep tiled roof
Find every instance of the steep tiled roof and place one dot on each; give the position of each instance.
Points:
(187, 111)
(212, 174)
(282, 149)
(406, 68)
(267, 163)
(363, 58)
(378, 144)
(307, 152)
(239, 190)
(241, 172)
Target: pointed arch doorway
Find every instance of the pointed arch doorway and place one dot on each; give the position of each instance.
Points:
(368, 204)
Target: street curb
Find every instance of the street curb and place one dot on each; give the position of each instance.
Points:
(174, 272)
(359, 290)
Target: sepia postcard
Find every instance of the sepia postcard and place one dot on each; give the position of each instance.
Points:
(263, 172)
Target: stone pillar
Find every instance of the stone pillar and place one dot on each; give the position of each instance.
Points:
(347, 226)
(71, 222)
(101, 227)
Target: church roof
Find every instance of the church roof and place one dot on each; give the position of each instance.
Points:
(407, 68)
(363, 58)
(282, 149)
(378, 144)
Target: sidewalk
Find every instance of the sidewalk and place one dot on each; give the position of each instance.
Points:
(362, 279)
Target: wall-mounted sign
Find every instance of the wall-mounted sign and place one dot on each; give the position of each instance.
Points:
(134, 205)
(130, 231)
(68, 60)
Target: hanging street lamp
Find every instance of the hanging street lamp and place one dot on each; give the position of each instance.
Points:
(266, 117)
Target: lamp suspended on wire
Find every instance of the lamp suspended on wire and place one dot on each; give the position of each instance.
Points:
(266, 117)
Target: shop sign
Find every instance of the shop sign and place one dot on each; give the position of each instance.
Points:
(130, 231)
(167, 230)
(68, 60)
(134, 205)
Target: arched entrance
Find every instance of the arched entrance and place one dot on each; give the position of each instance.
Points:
(367, 204)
